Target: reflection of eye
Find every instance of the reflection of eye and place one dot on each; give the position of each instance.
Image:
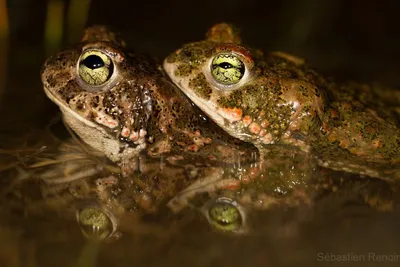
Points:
(95, 223)
(227, 69)
(225, 215)
(95, 67)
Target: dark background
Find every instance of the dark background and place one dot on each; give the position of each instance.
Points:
(350, 39)
(338, 35)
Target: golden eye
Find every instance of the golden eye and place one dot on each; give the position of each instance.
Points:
(95, 67)
(95, 223)
(225, 216)
(227, 69)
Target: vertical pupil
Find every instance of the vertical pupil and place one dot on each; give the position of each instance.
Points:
(93, 62)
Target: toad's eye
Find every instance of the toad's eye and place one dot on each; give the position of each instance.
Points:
(95, 223)
(95, 67)
(225, 215)
(227, 69)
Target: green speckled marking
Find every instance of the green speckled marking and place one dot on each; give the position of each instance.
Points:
(193, 54)
(349, 123)
(183, 70)
(231, 101)
(172, 58)
(200, 86)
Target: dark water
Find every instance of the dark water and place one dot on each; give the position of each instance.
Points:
(350, 223)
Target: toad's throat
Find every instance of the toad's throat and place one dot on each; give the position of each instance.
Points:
(97, 136)
(66, 108)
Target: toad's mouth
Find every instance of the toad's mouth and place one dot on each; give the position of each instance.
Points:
(66, 109)
(93, 134)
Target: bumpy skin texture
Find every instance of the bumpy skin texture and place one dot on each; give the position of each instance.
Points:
(129, 107)
(280, 100)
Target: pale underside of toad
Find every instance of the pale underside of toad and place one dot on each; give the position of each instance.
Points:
(275, 98)
(120, 103)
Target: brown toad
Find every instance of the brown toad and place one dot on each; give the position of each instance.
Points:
(120, 103)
